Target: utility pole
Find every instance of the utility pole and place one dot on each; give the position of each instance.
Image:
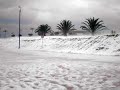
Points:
(19, 24)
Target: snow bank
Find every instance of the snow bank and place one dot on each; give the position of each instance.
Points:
(101, 45)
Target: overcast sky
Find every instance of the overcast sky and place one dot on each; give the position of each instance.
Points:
(36, 12)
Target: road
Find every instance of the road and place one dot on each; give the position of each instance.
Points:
(18, 55)
(41, 70)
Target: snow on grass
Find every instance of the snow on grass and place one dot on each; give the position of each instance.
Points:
(59, 76)
(101, 45)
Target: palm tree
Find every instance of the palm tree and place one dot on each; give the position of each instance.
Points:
(65, 26)
(92, 25)
(42, 30)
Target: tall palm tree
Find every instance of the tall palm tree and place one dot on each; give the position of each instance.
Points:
(42, 30)
(65, 26)
(92, 25)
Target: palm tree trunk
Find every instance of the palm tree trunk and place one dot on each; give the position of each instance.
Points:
(93, 33)
(42, 42)
(65, 34)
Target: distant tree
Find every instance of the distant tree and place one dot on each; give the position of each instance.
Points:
(30, 34)
(12, 35)
(42, 30)
(32, 29)
(0, 32)
(92, 25)
(5, 31)
(51, 32)
(56, 33)
(113, 32)
(65, 26)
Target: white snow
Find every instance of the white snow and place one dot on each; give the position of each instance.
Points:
(35, 67)
(101, 45)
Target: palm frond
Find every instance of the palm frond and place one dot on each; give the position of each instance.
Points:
(65, 26)
(92, 25)
(43, 29)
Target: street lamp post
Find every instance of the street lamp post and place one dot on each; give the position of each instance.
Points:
(19, 24)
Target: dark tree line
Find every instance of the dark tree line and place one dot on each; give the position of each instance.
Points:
(91, 25)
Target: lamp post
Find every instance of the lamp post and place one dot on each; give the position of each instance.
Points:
(19, 24)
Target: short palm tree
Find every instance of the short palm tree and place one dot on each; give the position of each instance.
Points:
(92, 25)
(42, 30)
(65, 26)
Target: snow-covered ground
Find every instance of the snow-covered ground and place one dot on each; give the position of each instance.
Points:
(101, 45)
(34, 68)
